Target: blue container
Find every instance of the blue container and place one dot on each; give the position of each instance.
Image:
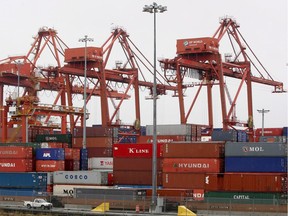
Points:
(23, 180)
(219, 135)
(285, 131)
(83, 159)
(242, 136)
(50, 154)
(22, 192)
(256, 164)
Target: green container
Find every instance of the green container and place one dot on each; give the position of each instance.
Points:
(60, 138)
(244, 198)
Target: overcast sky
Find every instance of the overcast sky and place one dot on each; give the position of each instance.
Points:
(263, 24)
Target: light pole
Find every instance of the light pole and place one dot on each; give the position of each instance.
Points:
(154, 8)
(263, 111)
(85, 40)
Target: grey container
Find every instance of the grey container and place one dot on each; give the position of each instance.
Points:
(219, 135)
(255, 149)
(81, 177)
(174, 129)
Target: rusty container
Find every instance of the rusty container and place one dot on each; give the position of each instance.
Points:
(135, 164)
(160, 139)
(184, 180)
(16, 152)
(104, 142)
(49, 165)
(193, 150)
(136, 150)
(135, 178)
(100, 152)
(193, 165)
(16, 165)
(255, 182)
(197, 45)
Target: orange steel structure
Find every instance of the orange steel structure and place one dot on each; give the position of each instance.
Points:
(199, 56)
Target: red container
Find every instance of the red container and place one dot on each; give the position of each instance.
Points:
(193, 150)
(16, 152)
(135, 164)
(135, 178)
(194, 165)
(105, 142)
(255, 182)
(214, 182)
(269, 132)
(72, 165)
(49, 165)
(72, 154)
(94, 132)
(52, 145)
(110, 179)
(99, 152)
(16, 165)
(160, 139)
(136, 150)
(184, 180)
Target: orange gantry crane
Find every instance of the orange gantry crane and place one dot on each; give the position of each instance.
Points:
(201, 58)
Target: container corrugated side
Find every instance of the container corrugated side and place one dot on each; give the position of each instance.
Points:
(136, 150)
(81, 177)
(181, 129)
(22, 192)
(16, 152)
(269, 132)
(135, 164)
(255, 149)
(99, 152)
(60, 138)
(16, 165)
(219, 135)
(193, 165)
(50, 154)
(256, 164)
(23, 180)
(49, 165)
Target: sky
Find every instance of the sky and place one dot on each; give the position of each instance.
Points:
(263, 24)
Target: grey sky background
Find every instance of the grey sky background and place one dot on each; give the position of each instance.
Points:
(262, 23)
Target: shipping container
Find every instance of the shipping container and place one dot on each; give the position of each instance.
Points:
(244, 197)
(269, 132)
(16, 165)
(110, 194)
(49, 165)
(50, 154)
(285, 132)
(173, 129)
(197, 45)
(256, 164)
(81, 177)
(255, 182)
(136, 150)
(255, 149)
(135, 177)
(59, 138)
(23, 180)
(102, 142)
(22, 192)
(83, 159)
(16, 152)
(100, 163)
(160, 139)
(98, 131)
(99, 152)
(184, 180)
(135, 164)
(54, 145)
(193, 165)
(72, 154)
(72, 165)
(193, 150)
(33, 145)
(68, 190)
(272, 139)
(229, 135)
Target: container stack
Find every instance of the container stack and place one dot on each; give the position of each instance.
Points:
(16, 159)
(50, 159)
(66, 181)
(132, 164)
(192, 165)
(72, 159)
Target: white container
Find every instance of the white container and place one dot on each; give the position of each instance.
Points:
(91, 177)
(100, 163)
(68, 190)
